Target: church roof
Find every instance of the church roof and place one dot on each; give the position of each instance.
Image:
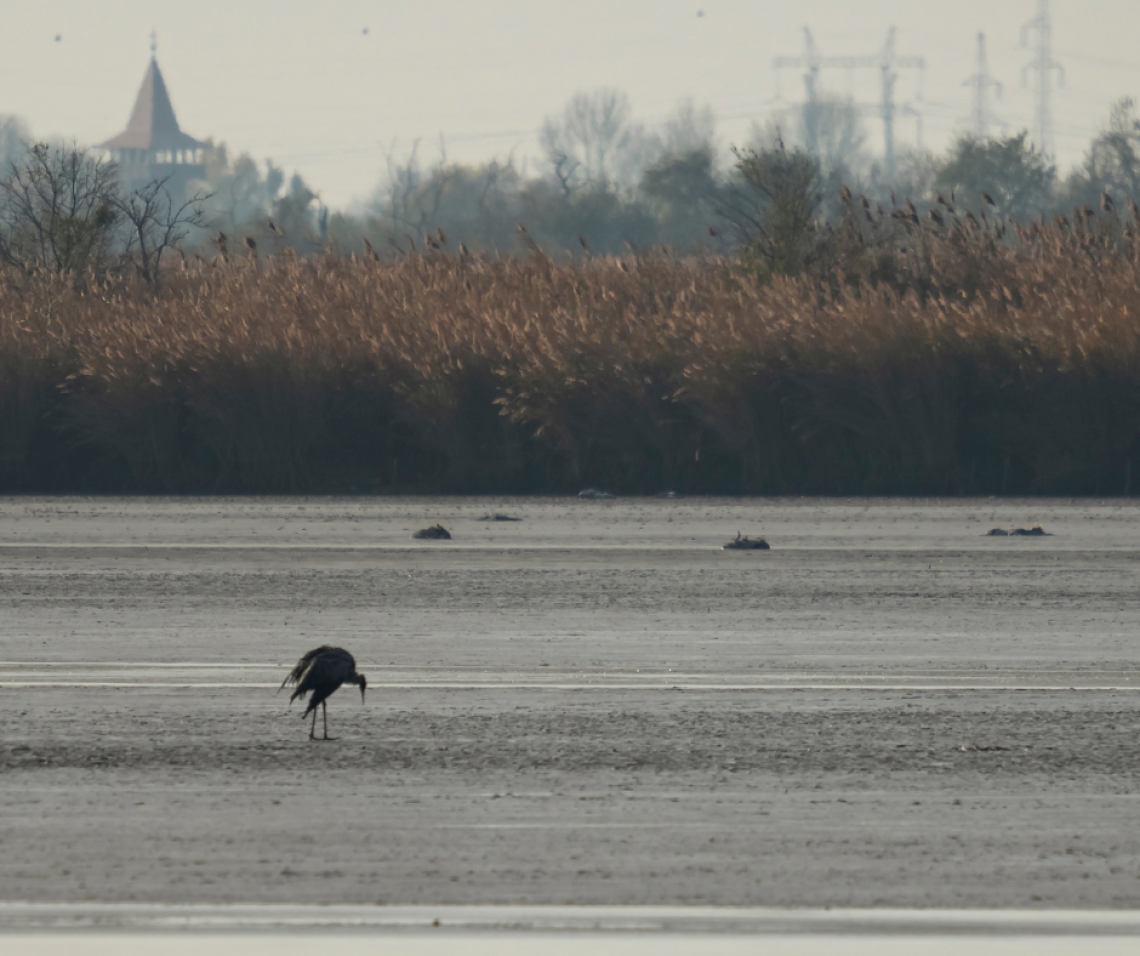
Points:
(152, 124)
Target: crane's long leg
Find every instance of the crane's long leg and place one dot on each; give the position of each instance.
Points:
(313, 725)
(325, 711)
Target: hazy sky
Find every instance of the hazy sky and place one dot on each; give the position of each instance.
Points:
(301, 82)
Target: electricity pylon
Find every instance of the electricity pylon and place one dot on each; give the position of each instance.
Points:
(982, 83)
(1044, 68)
(887, 62)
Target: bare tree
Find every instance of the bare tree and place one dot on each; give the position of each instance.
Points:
(832, 127)
(1113, 160)
(58, 210)
(917, 171)
(411, 199)
(153, 224)
(595, 143)
(689, 129)
(61, 210)
(14, 137)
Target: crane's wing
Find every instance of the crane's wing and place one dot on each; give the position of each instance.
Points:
(297, 674)
(323, 667)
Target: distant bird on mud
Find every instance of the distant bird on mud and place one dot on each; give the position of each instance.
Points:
(322, 671)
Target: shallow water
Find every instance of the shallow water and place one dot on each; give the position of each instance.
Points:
(561, 523)
(596, 704)
(555, 944)
(607, 930)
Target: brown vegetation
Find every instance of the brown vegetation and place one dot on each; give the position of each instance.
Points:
(948, 359)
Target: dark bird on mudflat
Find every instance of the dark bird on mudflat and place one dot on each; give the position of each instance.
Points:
(322, 671)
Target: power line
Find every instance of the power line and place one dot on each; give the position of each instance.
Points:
(1101, 61)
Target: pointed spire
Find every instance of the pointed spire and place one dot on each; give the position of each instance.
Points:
(153, 124)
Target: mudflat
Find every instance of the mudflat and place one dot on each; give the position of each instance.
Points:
(595, 704)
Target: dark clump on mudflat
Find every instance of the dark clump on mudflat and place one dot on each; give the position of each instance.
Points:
(1035, 532)
(745, 543)
(436, 532)
(498, 517)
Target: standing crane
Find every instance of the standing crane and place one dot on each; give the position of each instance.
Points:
(322, 670)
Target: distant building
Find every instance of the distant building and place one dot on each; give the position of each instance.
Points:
(153, 146)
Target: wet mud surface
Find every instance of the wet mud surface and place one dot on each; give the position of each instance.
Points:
(650, 732)
(887, 709)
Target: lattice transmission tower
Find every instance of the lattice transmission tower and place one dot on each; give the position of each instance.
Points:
(983, 84)
(1044, 68)
(886, 61)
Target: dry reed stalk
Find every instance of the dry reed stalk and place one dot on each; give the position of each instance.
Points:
(246, 358)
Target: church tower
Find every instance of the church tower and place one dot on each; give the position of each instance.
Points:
(153, 146)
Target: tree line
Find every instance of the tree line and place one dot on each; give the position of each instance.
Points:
(606, 185)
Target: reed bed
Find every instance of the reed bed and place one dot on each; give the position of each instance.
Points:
(938, 362)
